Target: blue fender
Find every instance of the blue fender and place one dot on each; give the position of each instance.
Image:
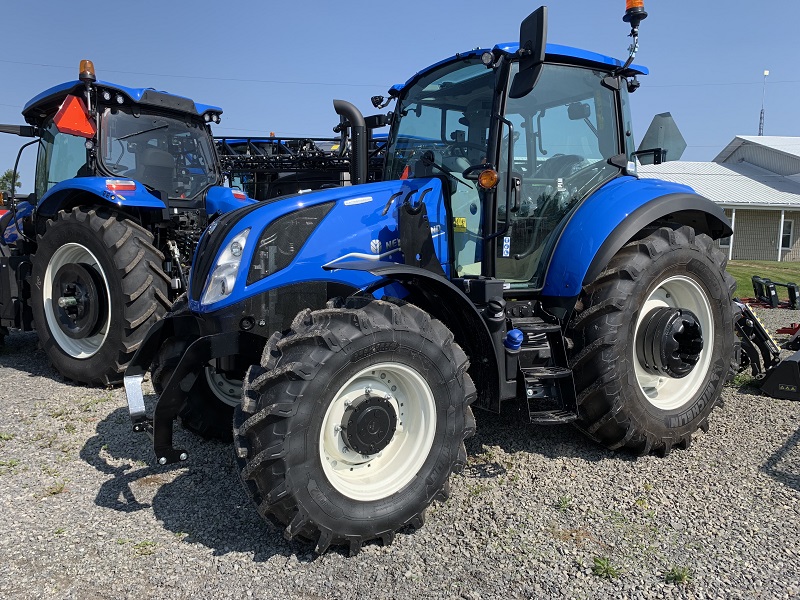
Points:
(611, 216)
(220, 200)
(59, 195)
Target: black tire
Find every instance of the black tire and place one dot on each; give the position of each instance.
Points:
(620, 406)
(206, 413)
(301, 390)
(110, 263)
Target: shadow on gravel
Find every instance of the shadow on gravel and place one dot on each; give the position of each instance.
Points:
(20, 351)
(512, 432)
(205, 503)
(784, 464)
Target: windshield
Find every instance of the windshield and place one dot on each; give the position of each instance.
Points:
(170, 155)
(565, 130)
(441, 127)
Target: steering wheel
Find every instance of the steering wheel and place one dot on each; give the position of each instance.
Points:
(559, 165)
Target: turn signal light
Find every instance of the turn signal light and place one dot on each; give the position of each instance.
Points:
(488, 179)
(239, 195)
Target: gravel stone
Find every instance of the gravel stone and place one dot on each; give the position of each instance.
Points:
(85, 512)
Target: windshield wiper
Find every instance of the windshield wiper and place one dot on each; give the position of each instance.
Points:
(125, 137)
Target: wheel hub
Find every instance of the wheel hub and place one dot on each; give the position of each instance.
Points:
(669, 342)
(368, 424)
(78, 300)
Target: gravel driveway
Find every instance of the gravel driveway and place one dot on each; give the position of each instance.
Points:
(538, 513)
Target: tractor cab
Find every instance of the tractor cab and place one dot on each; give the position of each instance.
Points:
(517, 163)
(92, 128)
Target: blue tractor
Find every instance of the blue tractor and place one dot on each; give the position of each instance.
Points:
(126, 181)
(510, 258)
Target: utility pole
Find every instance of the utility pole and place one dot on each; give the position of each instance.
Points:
(763, 93)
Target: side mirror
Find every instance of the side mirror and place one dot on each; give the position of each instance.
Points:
(578, 111)
(532, 43)
(20, 130)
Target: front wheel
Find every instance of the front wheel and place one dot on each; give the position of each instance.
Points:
(654, 337)
(97, 287)
(353, 422)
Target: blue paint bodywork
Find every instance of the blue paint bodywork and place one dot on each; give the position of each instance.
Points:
(11, 232)
(356, 228)
(220, 200)
(590, 225)
(56, 195)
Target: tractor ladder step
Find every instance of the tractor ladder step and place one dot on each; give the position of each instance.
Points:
(541, 385)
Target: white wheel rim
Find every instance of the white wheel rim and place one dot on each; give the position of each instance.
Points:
(373, 477)
(228, 390)
(667, 393)
(82, 347)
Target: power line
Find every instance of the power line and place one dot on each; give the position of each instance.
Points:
(377, 85)
(202, 78)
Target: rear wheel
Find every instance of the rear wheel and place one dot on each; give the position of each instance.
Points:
(353, 422)
(653, 342)
(97, 288)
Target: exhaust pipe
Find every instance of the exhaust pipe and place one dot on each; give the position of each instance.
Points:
(358, 134)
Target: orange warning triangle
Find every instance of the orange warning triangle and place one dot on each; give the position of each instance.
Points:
(405, 173)
(71, 118)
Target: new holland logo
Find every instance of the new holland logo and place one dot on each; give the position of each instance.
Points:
(375, 246)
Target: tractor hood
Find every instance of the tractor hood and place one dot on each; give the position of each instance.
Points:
(266, 245)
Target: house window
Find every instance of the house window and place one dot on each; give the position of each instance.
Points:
(787, 238)
(725, 242)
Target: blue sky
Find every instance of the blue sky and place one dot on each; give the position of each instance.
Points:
(277, 66)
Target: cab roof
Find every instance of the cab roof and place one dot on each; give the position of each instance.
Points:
(47, 102)
(553, 53)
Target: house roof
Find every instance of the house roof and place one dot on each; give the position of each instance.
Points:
(739, 185)
(789, 146)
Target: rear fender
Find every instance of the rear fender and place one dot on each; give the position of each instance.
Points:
(64, 196)
(612, 216)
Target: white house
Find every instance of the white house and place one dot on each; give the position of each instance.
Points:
(756, 179)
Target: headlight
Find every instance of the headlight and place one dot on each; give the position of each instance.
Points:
(281, 241)
(223, 276)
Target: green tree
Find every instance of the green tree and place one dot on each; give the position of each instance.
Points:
(6, 180)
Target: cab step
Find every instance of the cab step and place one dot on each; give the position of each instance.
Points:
(552, 417)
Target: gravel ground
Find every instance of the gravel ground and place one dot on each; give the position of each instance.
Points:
(85, 514)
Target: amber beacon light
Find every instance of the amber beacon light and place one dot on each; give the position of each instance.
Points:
(634, 12)
(86, 71)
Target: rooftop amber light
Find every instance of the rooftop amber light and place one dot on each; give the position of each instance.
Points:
(629, 4)
(86, 71)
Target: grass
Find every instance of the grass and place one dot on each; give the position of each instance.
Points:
(603, 567)
(563, 503)
(4, 437)
(55, 489)
(743, 271)
(679, 575)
